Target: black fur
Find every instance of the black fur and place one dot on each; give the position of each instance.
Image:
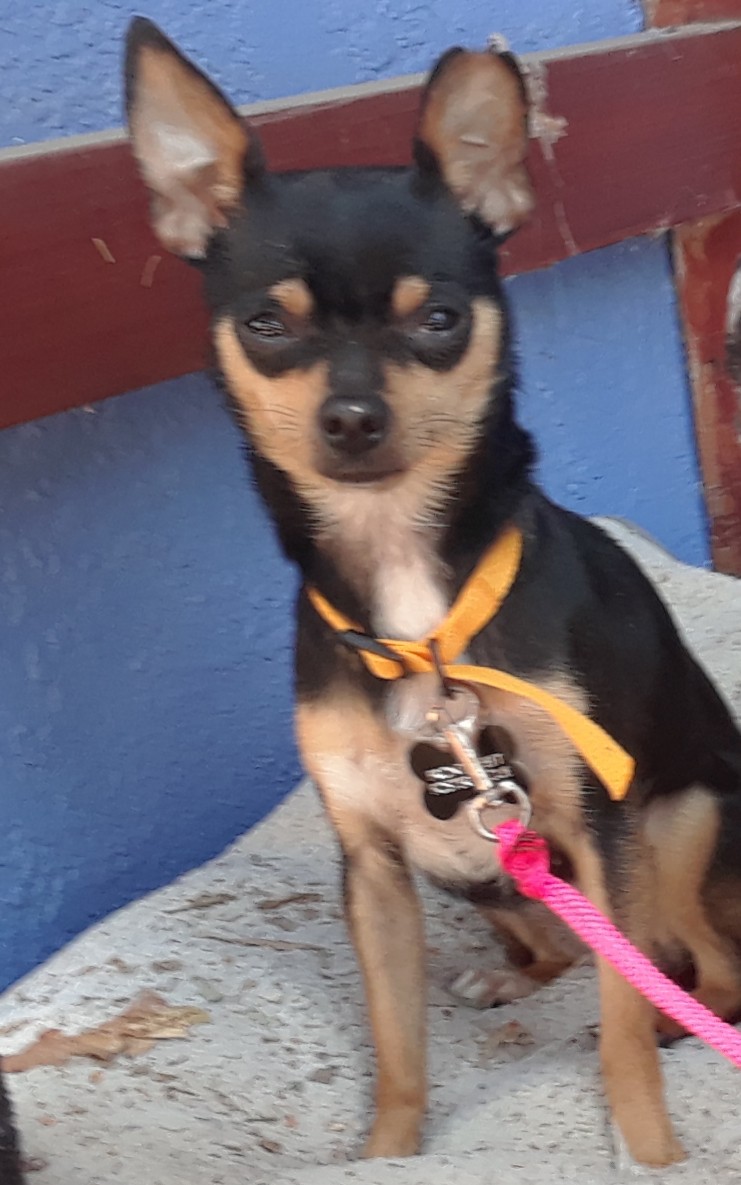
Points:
(10, 1157)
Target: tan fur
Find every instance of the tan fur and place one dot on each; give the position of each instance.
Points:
(345, 746)
(280, 412)
(409, 294)
(628, 1053)
(438, 414)
(681, 838)
(294, 296)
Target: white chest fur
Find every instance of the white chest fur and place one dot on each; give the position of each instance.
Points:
(383, 541)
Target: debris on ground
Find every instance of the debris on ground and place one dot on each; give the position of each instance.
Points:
(134, 1031)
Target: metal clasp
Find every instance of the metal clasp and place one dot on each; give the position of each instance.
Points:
(505, 793)
(459, 735)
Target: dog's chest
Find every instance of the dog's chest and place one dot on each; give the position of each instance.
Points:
(360, 759)
(359, 754)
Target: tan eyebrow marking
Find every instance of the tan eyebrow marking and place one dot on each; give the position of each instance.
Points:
(410, 292)
(294, 296)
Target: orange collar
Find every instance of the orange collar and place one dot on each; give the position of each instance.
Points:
(478, 601)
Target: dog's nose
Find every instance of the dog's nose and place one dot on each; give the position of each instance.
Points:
(354, 426)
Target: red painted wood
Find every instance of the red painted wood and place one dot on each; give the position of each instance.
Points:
(706, 253)
(663, 13)
(651, 138)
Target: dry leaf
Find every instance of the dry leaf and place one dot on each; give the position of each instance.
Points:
(134, 1031)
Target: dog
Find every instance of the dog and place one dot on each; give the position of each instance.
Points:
(361, 334)
(10, 1157)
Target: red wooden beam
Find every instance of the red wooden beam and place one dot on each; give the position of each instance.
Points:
(630, 136)
(662, 14)
(706, 253)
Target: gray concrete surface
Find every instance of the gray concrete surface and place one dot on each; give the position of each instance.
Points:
(276, 1087)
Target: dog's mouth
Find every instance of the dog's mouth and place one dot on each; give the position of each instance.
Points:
(358, 477)
(382, 467)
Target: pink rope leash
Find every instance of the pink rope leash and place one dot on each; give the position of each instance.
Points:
(524, 856)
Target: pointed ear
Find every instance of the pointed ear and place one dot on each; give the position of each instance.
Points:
(193, 150)
(473, 129)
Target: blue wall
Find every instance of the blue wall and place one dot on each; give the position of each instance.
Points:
(61, 58)
(605, 391)
(145, 615)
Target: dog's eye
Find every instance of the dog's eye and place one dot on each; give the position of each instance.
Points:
(439, 320)
(267, 325)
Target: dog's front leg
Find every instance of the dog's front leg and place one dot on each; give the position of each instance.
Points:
(631, 1069)
(354, 761)
(385, 921)
(632, 1073)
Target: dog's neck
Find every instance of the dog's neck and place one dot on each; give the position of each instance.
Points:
(385, 544)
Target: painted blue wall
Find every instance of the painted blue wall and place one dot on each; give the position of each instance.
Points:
(145, 615)
(605, 391)
(61, 58)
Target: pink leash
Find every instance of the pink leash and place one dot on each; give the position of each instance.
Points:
(524, 856)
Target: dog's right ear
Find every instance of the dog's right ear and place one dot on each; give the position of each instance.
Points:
(193, 151)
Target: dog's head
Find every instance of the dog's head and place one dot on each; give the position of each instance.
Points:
(357, 316)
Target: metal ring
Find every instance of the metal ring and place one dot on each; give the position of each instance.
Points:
(506, 793)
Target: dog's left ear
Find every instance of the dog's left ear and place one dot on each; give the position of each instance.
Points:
(473, 131)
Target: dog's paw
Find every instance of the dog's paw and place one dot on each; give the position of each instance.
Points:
(654, 1151)
(486, 989)
(394, 1134)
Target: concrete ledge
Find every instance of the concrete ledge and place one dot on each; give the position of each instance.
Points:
(275, 1088)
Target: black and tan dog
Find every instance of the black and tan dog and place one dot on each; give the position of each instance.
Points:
(361, 332)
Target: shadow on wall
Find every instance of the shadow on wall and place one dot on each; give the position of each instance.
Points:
(145, 614)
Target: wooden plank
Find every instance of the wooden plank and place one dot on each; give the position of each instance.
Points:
(662, 14)
(632, 135)
(706, 253)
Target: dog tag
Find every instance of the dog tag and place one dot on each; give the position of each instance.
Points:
(446, 783)
(459, 761)
(456, 759)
